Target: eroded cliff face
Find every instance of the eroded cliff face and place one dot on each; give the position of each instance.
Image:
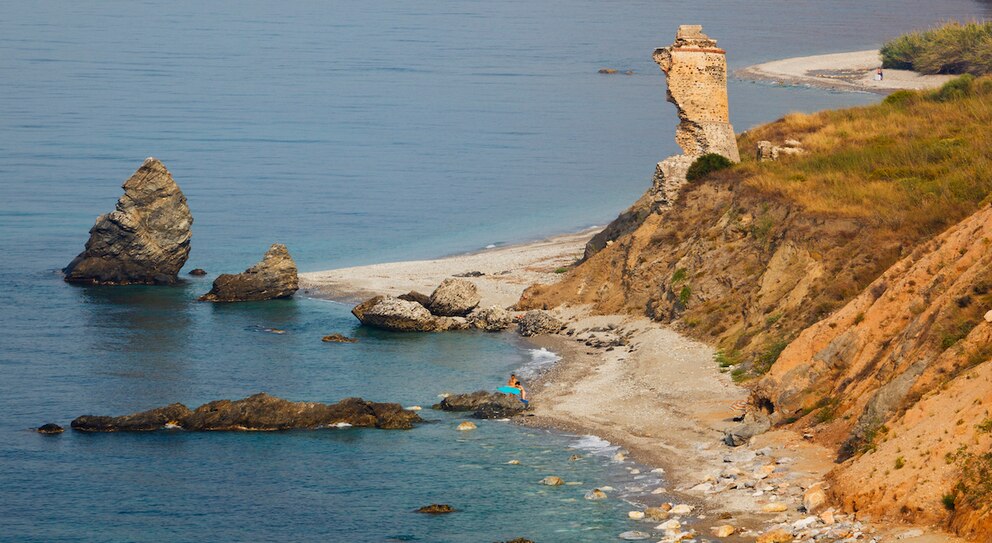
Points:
(900, 381)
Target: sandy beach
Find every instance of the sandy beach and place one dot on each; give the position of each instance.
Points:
(642, 386)
(500, 273)
(854, 71)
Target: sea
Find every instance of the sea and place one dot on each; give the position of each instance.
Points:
(354, 133)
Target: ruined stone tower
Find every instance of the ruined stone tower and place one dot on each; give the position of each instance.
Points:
(697, 84)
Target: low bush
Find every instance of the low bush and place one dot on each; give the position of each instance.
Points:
(707, 164)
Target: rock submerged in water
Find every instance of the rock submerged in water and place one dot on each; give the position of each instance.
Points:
(483, 404)
(436, 509)
(260, 412)
(595, 494)
(198, 272)
(274, 277)
(454, 298)
(466, 426)
(145, 240)
(536, 322)
(338, 338)
(552, 480)
(398, 315)
(50, 429)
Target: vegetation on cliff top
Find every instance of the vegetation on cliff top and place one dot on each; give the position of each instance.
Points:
(952, 48)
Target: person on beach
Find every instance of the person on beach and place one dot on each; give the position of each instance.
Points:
(878, 74)
(513, 380)
(523, 393)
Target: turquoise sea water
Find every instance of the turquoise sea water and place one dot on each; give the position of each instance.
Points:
(354, 133)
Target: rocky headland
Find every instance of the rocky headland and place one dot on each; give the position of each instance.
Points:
(145, 240)
(260, 412)
(275, 276)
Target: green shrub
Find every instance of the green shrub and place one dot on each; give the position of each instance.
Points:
(954, 89)
(561, 270)
(953, 48)
(769, 356)
(948, 501)
(684, 295)
(726, 359)
(706, 164)
(900, 462)
(679, 275)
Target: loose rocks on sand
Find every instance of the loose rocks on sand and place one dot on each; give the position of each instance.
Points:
(536, 322)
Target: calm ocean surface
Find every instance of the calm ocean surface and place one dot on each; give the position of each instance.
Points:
(353, 132)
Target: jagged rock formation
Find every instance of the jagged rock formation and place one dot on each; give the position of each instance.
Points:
(483, 404)
(696, 75)
(260, 412)
(390, 313)
(145, 240)
(454, 298)
(274, 277)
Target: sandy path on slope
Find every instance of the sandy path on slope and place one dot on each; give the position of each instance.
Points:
(853, 71)
(507, 272)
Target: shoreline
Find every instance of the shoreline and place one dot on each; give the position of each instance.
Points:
(852, 72)
(500, 273)
(640, 385)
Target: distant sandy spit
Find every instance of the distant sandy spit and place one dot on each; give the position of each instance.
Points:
(500, 273)
(853, 71)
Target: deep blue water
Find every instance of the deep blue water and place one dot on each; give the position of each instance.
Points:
(353, 132)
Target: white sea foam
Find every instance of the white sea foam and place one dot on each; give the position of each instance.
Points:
(341, 425)
(540, 360)
(595, 445)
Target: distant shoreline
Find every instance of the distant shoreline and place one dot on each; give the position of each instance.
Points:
(852, 72)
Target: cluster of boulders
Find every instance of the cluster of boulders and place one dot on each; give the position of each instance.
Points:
(767, 151)
(146, 240)
(260, 412)
(483, 404)
(454, 305)
(608, 337)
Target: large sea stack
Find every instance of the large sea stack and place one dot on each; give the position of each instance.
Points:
(274, 277)
(144, 241)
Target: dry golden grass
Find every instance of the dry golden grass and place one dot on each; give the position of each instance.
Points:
(918, 161)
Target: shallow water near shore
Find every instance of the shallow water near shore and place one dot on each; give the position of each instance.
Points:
(354, 133)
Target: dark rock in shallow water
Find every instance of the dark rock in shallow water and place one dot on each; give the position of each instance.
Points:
(198, 272)
(517, 540)
(144, 241)
(260, 412)
(274, 277)
(145, 421)
(338, 338)
(436, 509)
(483, 404)
(50, 429)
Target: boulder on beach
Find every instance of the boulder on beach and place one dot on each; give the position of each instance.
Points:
(391, 313)
(483, 404)
(145, 240)
(414, 296)
(454, 298)
(490, 319)
(536, 322)
(50, 429)
(274, 277)
(259, 412)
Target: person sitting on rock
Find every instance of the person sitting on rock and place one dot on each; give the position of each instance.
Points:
(513, 380)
